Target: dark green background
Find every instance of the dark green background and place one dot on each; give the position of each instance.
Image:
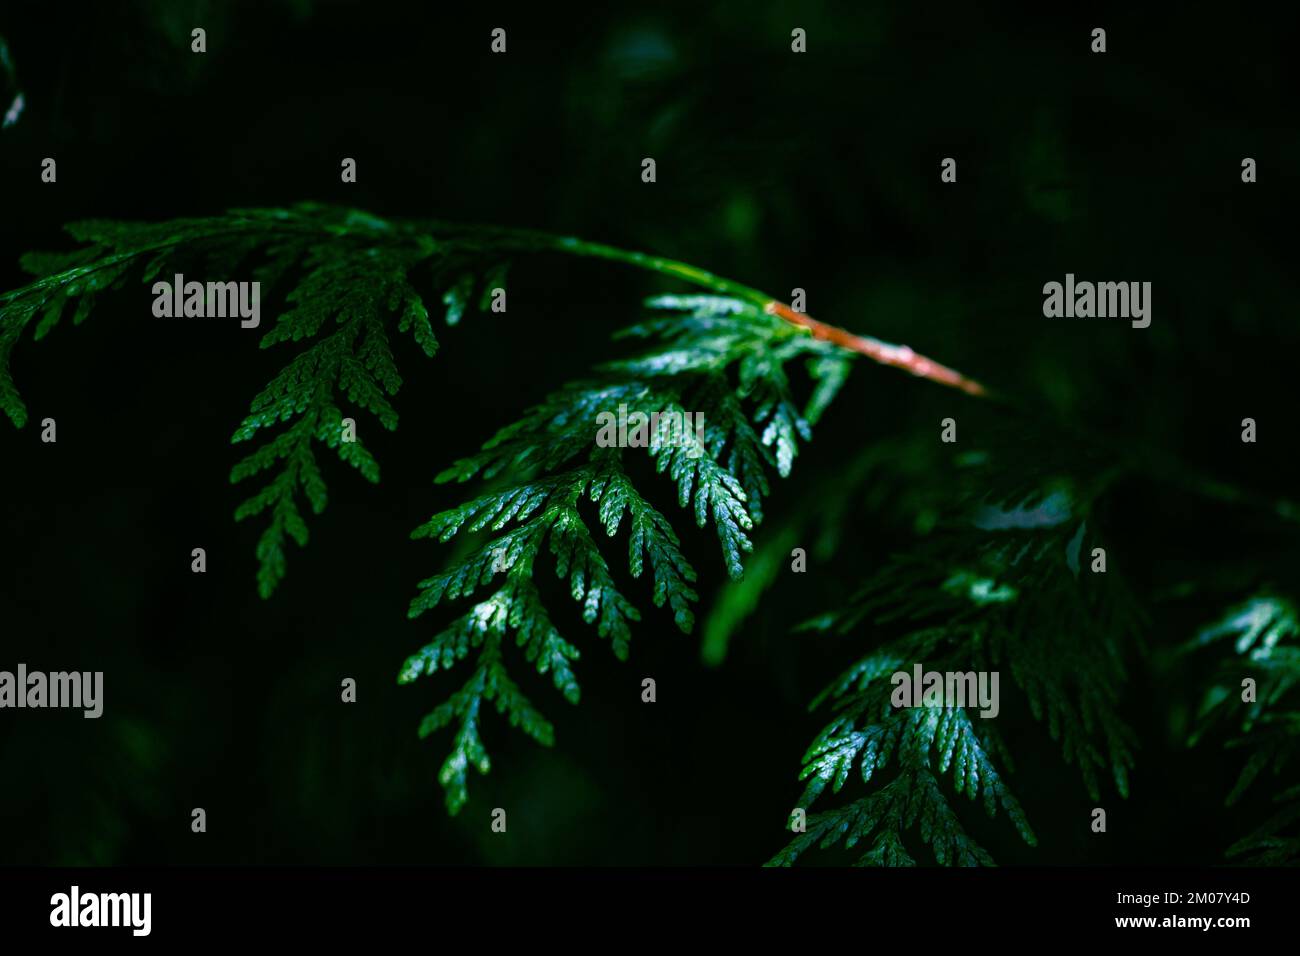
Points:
(819, 171)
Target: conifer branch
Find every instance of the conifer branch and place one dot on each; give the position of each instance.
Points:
(1000, 587)
(719, 358)
(723, 356)
(1256, 691)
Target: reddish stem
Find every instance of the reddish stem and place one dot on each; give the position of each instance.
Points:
(899, 356)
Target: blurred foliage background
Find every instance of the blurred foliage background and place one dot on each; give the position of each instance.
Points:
(819, 171)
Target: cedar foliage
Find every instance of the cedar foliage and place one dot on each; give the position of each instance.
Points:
(1264, 630)
(717, 355)
(997, 578)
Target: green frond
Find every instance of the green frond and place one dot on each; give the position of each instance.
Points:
(490, 683)
(346, 273)
(984, 595)
(715, 357)
(868, 733)
(1263, 630)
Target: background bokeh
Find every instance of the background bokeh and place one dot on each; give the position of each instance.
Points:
(818, 171)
